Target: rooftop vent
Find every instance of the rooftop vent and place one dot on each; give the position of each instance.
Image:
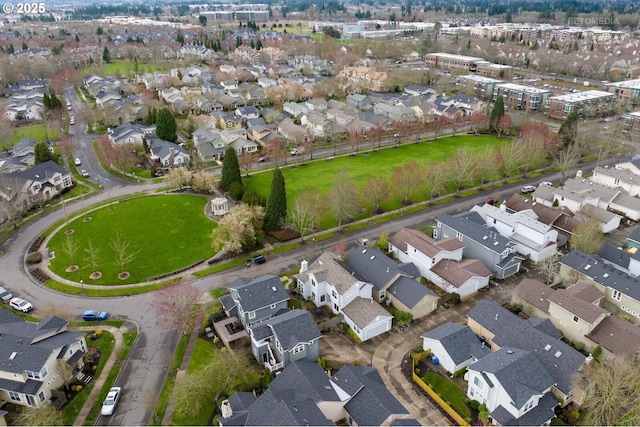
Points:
(13, 355)
(558, 354)
(364, 251)
(605, 275)
(587, 267)
(509, 351)
(547, 347)
(274, 289)
(372, 257)
(485, 237)
(496, 243)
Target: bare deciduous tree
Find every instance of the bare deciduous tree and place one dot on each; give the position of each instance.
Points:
(179, 177)
(548, 267)
(567, 158)
(176, 306)
(124, 255)
(45, 415)
(611, 392)
(305, 212)
(203, 182)
(342, 198)
(511, 156)
(70, 247)
(588, 237)
(246, 161)
(375, 191)
(434, 177)
(462, 168)
(405, 180)
(93, 255)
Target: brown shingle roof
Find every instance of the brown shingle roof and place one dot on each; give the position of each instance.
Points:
(424, 243)
(560, 217)
(457, 273)
(534, 292)
(585, 291)
(363, 311)
(327, 268)
(616, 335)
(576, 306)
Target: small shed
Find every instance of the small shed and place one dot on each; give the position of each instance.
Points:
(220, 206)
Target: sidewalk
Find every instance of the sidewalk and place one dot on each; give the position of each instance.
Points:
(99, 381)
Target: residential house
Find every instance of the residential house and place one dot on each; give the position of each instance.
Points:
(398, 283)
(295, 109)
(226, 120)
(303, 394)
(366, 78)
(291, 131)
(375, 120)
(559, 217)
(208, 144)
(340, 117)
(317, 125)
(130, 134)
(529, 340)
(395, 112)
(534, 239)
(318, 105)
(281, 340)
(328, 282)
(576, 312)
(255, 300)
(497, 253)
(584, 197)
(107, 99)
(169, 154)
(23, 152)
(249, 112)
(37, 358)
(464, 278)
(621, 290)
(43, 181)
(455, 346)
(619, 176)
(356, 100)
(626, 261)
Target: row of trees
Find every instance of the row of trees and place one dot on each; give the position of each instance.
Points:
(121, 247)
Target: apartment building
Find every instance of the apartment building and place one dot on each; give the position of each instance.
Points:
(587, 103)
(625, 90)
(476, 85)
(471, 64)
(631, 123)
(521, 97)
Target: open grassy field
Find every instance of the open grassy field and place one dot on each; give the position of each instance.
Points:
(319, 175)
(39, 132)
(170, 232)
(117, 68)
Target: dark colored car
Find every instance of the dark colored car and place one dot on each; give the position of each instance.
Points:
(91, 315)
(258, 259)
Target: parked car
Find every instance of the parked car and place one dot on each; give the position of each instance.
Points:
(258, 259)
(91, 315)
(263, 159)
(110, 403)
(84, 173)
(546, 183)
(528, 189)
(20, 305)
(77, 161)
(72, 120)
(5, 295)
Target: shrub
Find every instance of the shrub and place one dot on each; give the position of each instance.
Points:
(98, 333)
(417, 371)
(79, 388)
(254, 199)
(455, 298)
(236, 190)
(475, 405)
(597, 352)
(34, 258)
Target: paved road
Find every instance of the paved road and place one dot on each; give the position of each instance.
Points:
(143, 375)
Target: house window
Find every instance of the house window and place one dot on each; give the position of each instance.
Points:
(14, 396)
(616, 295)
(383, 294)
(458, 235)
(298, 349)
(252, 315)
(33, 375)
(575, 319)
(334, 294)
(478, 383)
(41, 396)
(322, 298)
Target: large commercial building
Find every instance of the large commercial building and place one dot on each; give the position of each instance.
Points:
(631, 123)
(587, 103)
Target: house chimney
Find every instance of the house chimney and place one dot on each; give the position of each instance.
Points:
(303, 266)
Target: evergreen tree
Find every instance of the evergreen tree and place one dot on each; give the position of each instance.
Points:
(42, 153)
(180, 38)
(252, 44)
(24, 46)
(498, 110)
(46, 101)
(151, 116)
(569, 130)
(77, 38)
(54, 102)
(230, 169)
(166, 125)
(106, 55)
(11, 49)
(258, 44)
(238, 41)
(276, 211)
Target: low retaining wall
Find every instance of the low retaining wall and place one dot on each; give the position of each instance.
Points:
(444, 405)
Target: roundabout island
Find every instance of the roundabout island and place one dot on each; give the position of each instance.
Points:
(131, 241)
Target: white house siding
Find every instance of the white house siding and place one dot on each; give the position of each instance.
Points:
(631, 213)
(438, 351)
(469, 288)
(376, 327)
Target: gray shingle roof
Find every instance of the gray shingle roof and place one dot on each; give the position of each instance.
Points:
(597, 270)
(259, 293)
(472, 226)
(40, 171)
(409, 291)
(511, 331)
(459, 341)
(519, 371)
(372, 265)
(291, 328)
(535, 417)
(615, 256)
(372, 403)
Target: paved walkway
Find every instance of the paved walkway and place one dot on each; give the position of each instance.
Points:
(99, 381)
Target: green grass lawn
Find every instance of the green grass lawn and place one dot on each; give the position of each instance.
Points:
(201, 355)
(360, 168)
(449, 392)
(170, 232)
(38, 132)
(117, 68)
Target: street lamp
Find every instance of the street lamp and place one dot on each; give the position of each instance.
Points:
(81, 281)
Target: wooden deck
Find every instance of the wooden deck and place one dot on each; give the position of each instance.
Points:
(223, 332)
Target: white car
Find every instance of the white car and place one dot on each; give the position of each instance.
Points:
(20, 305)
(77, 161)
(72, 120)
(528, 189)
(110, 403)
(84, 173)
(546, 183)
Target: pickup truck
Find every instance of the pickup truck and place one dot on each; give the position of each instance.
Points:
(297, 151)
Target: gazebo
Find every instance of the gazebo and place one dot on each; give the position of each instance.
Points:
(219, 206)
